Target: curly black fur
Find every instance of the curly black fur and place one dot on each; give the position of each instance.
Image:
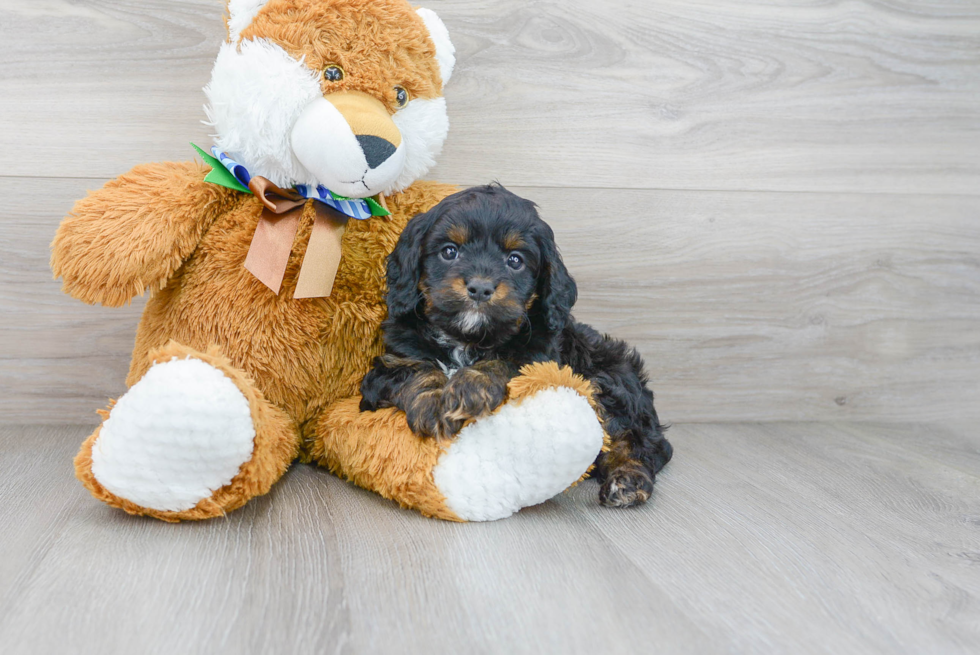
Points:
(477, 289)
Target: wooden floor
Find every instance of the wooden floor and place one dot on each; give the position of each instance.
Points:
(777, 201)
(775, 538)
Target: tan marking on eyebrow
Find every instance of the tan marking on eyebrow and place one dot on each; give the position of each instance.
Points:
(514, 241)
(459, 234)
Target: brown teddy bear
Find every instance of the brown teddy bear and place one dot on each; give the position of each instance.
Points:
(266, 277)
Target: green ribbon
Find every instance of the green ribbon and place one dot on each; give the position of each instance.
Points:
(223, 177)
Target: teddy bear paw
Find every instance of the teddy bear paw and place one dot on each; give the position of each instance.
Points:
(527, 452)
(178, 435)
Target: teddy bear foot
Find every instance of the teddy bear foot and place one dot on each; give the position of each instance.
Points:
(182, 443)
(520, 456)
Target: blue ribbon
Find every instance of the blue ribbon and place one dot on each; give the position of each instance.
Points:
(358, 208)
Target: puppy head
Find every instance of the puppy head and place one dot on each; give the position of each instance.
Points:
(479, 265)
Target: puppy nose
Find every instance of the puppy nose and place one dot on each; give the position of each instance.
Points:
(376, 150)
(480, 290)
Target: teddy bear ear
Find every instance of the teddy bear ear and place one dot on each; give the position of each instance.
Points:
(240, 15)
(445, 51)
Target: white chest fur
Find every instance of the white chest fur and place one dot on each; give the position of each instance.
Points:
(460, 356)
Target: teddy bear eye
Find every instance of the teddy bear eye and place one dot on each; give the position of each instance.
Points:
(333, 73)
(401, 96)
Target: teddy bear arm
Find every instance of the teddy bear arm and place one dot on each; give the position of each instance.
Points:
(133, 233)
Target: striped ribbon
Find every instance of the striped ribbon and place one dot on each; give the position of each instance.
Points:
(358, 208)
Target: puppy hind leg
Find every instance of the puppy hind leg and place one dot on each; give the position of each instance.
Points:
(638, 450)
(624, 480)
(657, 452)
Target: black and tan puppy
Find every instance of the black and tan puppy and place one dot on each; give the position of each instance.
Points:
(476, 290)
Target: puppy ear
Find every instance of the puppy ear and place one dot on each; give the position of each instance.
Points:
(405, 265)
(557, 291)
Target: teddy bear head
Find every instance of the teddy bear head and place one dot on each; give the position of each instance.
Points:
(346, 94)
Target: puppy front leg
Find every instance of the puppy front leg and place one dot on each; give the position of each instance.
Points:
(474, 391)
(412, 386)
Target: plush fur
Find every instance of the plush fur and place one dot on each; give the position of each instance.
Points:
(261, 85)
(378, 451)
(297, 363)
(445, 51)
(134, 233)
(253, 122)
(274, 448)
(304, 354)
(476, 290)
(240, 15)
(293, 358)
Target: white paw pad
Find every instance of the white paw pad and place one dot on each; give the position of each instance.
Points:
(178, 435)
(521, 456)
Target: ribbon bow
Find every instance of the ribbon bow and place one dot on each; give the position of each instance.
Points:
(272, 242)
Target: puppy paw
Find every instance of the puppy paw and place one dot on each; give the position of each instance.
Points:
(626, 487)
(427, 417)
(425, 414)
(470, 394)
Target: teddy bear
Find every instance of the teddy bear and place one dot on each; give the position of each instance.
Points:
(265, 268)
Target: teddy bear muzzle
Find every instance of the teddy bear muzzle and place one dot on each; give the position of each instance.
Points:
(349, 142)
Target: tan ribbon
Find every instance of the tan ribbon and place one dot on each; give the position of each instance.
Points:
(272, 242)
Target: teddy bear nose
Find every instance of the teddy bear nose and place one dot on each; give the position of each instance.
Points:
(376, 150)
(480, 290)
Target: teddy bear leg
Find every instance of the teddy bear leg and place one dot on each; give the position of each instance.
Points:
(192, 439)
(543, 440)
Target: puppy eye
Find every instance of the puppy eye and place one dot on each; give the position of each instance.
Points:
(333, 73)
(515, 261)
(449, 253)
(401, 96)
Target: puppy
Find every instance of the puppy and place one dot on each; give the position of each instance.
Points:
(476, 290)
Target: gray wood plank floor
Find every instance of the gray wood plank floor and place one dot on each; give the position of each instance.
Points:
(775, 538)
